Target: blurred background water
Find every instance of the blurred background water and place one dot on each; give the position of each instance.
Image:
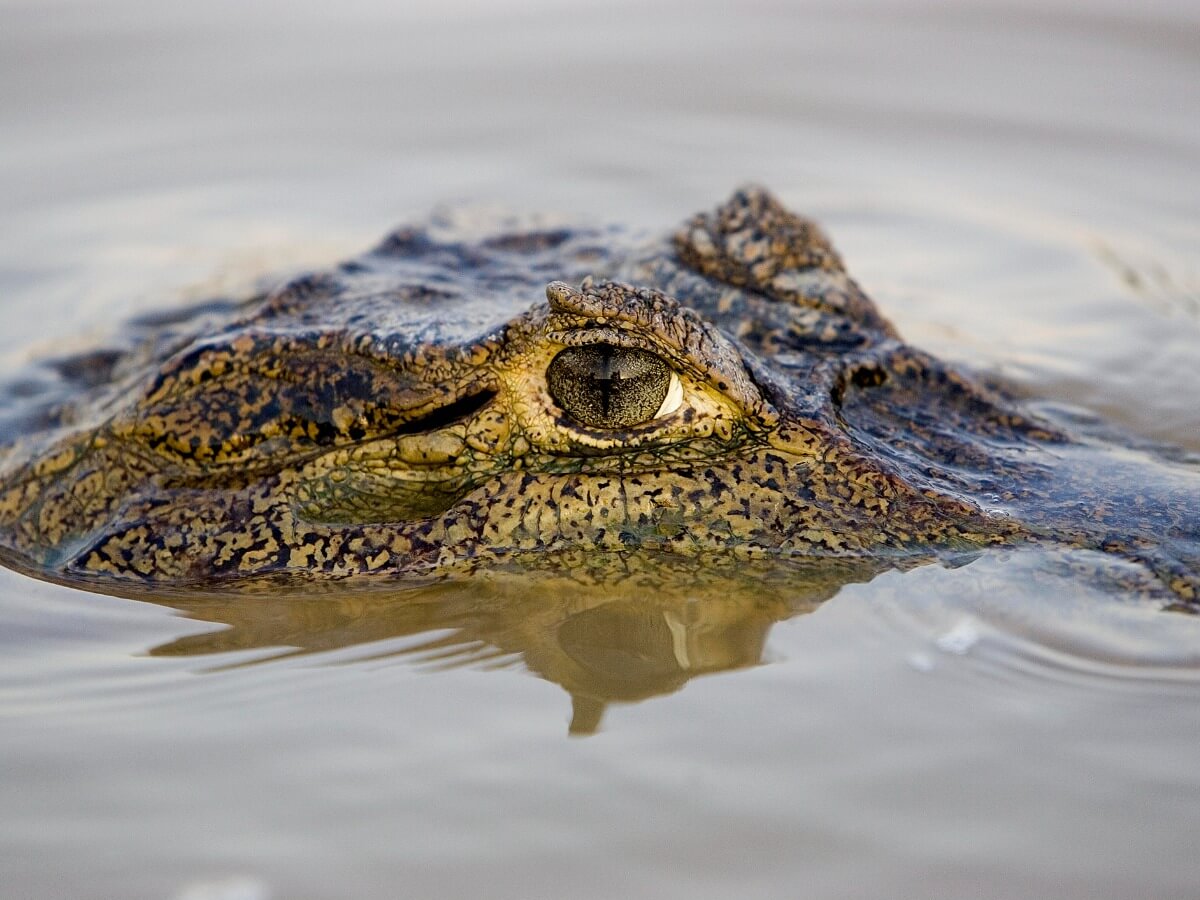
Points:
(1016, 185)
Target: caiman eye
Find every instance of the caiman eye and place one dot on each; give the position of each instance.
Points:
(611, 387)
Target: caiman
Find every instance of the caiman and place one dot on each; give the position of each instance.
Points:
(451, 402)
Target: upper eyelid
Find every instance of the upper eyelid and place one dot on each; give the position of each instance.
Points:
(606, 334)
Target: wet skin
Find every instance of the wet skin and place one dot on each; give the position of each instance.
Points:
(446, 405)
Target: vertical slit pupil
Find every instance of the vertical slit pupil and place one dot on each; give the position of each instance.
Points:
(605, 376)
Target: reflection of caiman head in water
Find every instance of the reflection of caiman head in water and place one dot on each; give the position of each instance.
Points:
(604, 640)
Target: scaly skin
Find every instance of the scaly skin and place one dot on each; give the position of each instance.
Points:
(393, 417)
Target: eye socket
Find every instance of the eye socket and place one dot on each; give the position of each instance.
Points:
(610, 387)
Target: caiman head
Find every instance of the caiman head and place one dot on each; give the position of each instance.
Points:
(443, 403)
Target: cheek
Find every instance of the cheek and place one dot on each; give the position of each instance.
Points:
(703, 415)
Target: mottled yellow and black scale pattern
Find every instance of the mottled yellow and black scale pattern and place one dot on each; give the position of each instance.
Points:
(392, 417)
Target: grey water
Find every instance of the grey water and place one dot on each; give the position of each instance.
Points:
(1014, 183)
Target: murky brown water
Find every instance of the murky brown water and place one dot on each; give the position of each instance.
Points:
(1013, 182)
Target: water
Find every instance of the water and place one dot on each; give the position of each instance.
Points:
(1013, 183)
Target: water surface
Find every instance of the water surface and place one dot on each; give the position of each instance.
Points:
(1013, 183)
